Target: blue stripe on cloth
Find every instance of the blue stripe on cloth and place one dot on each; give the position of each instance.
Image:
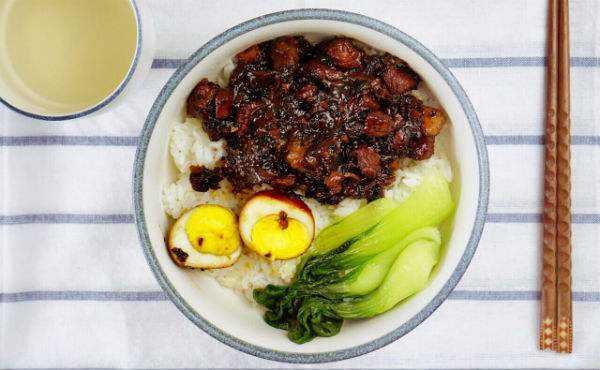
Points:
(493, 62)
(537, 140)
(68, 140)
(525, 218)
(498, 62)
(71, 295)
(66, 218)
(515, 295)
(585, 140)
(133, 140)
(155, 296)
(70, 218)
(508, 295)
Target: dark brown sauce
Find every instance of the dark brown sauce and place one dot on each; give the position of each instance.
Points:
(327, 121)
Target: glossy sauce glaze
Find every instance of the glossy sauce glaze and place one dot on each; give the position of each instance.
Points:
(328, 121)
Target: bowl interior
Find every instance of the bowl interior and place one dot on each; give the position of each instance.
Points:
(232, 317)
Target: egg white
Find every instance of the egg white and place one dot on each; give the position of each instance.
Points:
(178, 239)
(262, 205)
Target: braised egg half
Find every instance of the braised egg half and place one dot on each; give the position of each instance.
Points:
(276, 225)
(205, 237)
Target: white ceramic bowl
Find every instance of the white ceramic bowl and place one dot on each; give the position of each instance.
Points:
(228, 317)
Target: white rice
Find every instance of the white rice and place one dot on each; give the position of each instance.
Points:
(190, 146)
(252, 271)
(179, 196)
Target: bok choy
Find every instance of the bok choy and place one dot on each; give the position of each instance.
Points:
(360, 271)
(354, 224)
(370, 275)
(408, 275)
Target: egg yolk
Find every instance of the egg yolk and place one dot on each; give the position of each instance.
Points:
(213, 229)
(280, 238)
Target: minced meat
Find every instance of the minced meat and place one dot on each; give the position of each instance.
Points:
(328, 121)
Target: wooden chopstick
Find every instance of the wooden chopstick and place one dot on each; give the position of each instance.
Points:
(547, 336)
(563, 211)
(556, 330)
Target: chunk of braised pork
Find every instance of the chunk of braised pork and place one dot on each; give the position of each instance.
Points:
(244, 115)
(223, 101)
(422, 148)
(368, 161)
(433, 121)
(283, 182)
(323, 72)
(343, 53)
(201, 99)
(378, 124)
(285, 52)
(251, 55)
(335, 179)
(295, 155)
(399, 81)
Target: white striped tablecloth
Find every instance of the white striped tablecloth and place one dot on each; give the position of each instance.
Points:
(75, 288)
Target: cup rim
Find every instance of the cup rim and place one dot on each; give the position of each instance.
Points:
(107, 100)
(234, 32)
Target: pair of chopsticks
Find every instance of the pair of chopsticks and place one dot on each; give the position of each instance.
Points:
(556, 327)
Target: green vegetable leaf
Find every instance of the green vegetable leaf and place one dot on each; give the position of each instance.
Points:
(352, 225)
(348, 228)
(428, 205)
(408, 275)
(315, 317)
(370, 275)
(372, 269)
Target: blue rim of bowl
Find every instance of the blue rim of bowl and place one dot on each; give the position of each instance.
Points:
(232, 33)
(106, 100)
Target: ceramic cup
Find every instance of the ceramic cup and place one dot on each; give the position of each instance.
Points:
(40, 64)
